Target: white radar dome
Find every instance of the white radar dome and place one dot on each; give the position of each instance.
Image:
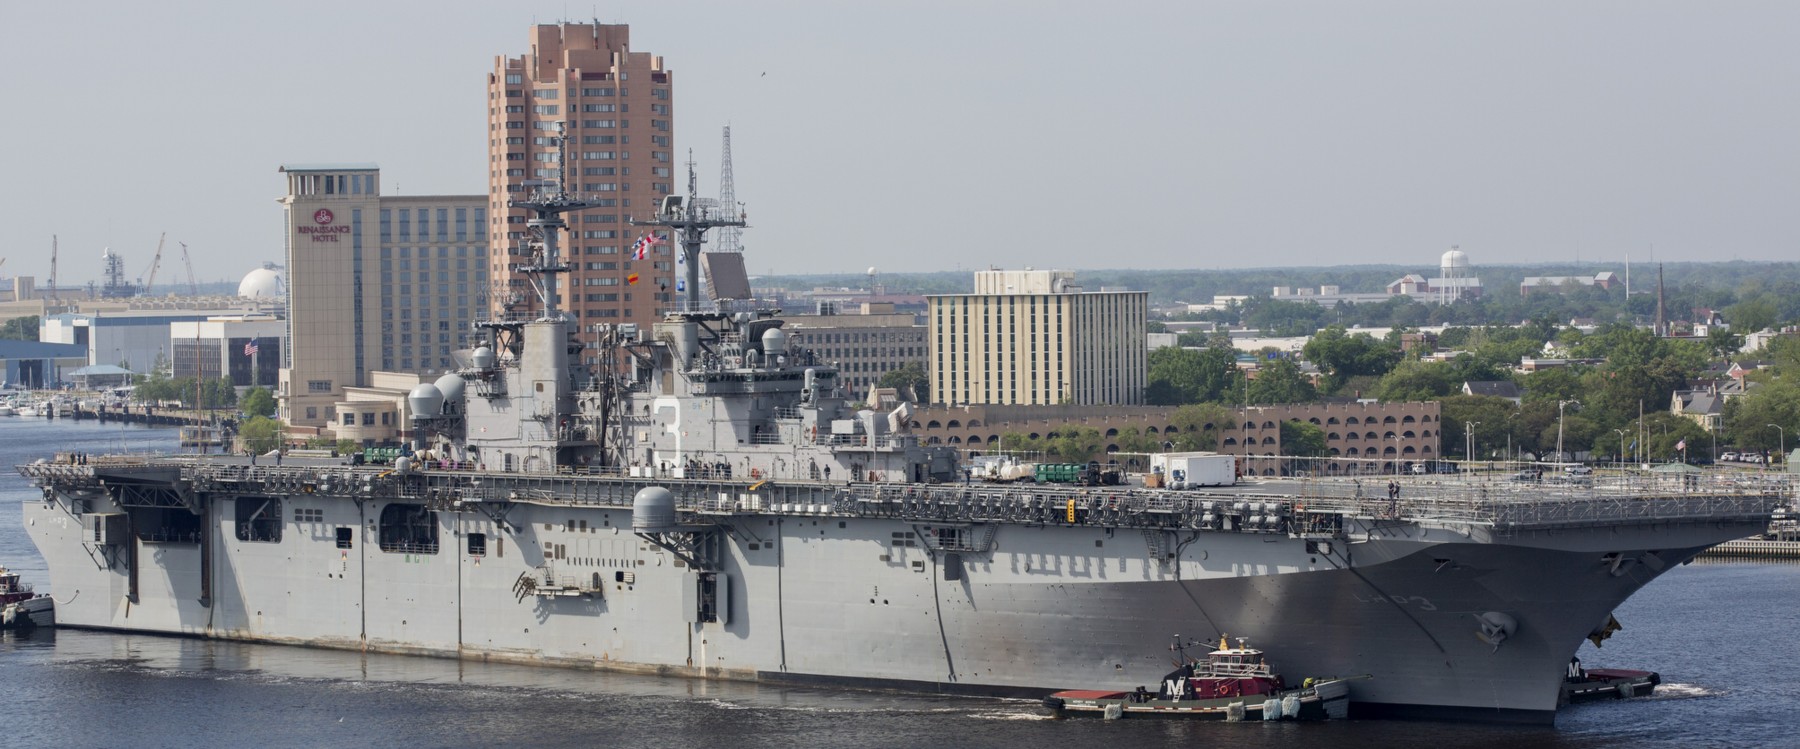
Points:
(262, 283)
(426, 401)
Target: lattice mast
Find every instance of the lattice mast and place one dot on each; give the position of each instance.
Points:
(730, 237)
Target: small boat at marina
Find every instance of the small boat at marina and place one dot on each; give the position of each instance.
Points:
(1231, 684)
(20, 607)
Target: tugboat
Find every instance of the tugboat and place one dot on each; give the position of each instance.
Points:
(20, 608)
(1232, 684)
(1589, 684)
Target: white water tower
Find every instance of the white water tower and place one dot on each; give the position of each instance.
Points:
(1453, 271)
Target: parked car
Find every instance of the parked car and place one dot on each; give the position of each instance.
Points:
(1579, 470)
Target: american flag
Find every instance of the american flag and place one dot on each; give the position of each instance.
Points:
(250, 348)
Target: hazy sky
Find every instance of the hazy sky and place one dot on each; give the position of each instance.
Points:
(940, 135)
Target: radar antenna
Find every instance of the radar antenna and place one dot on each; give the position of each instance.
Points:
(688, 218)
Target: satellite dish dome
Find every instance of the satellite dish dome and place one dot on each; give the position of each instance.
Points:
(262, 283)
(652, 509)
(426, 401)
(451, 385)
(403, 464)
(774, 341)
(483, 358)
(1454, 260)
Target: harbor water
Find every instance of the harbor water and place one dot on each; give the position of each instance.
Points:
(1718, 632)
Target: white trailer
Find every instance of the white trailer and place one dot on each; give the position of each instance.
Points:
(1195, 469)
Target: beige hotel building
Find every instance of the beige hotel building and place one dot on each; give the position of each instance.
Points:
(374, 283)
(1033, 337)
(615, 107)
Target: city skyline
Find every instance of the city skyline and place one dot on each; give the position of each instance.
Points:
(1212, 136)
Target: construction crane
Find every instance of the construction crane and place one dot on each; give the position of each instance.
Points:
(193, 286)
(155, 262)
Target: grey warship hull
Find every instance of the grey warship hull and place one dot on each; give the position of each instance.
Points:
(664, 502)
(966, 590)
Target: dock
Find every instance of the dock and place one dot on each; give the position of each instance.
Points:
(1750, 549)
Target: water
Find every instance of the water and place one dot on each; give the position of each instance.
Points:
(1718, 633)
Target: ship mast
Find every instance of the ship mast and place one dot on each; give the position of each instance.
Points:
(547, 201)
(688, 218)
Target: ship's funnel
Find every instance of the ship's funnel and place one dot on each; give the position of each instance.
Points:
(652, 510)
(426, 402)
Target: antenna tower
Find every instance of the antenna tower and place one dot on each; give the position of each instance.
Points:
(53, 296)
(729, 236)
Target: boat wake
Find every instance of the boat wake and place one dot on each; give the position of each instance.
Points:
(1681, 692)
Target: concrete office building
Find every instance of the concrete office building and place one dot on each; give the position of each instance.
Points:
(138, 340)
(614, 106)
(374, 283)
(864, 345)
(221, 347)
(1036, 338)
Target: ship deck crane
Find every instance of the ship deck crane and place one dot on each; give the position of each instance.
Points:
(193, 286)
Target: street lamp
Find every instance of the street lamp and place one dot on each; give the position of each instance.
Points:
(1621, 448)
(1559, 426)
(1783, 433)
(1469, 439)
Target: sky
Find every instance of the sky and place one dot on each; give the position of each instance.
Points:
(922, 136)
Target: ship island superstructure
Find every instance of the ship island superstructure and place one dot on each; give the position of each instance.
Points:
(707, 502)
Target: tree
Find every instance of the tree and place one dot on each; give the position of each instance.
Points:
(1416, 380)
(1280, 381)
(911, 380)
(258, 401)
(20, 329)
(1342, 356)
(1179, 375)
(1200, 426)
(1752, 315)
(1723, 342)
(260, 434)
(1775, 401)
(1303, 440)
(1492, 414)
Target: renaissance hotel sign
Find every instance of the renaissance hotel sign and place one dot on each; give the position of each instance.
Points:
(323, 230)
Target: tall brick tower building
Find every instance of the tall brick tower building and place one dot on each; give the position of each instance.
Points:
(615, 108)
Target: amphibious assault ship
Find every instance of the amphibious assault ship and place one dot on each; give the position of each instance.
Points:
(707, 502)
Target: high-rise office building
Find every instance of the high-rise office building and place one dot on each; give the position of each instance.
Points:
(374, 283)
(1036, 338)
(613, 109)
